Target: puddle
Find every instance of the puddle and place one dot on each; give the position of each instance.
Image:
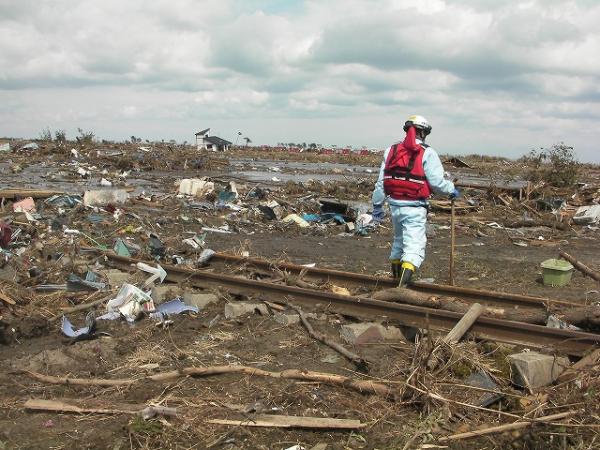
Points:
(258, 175)
(297, 165)
(39, 176)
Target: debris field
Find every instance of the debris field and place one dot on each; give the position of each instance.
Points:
(162, 297)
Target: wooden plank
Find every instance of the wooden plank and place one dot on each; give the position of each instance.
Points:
(60, 406)
(34, 193)
(508, 427)
(463, 325)
(274, 421)
(580, 266)
(5, 298)
(585, 362)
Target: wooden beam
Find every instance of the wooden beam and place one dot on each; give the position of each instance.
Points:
(274, 421)
(64, 407)
(580, 266)
(463, 325)
(33, 193)
(508, 427)
(5, 298)
(585, 362)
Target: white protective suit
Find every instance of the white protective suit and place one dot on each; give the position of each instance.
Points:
(410, 217)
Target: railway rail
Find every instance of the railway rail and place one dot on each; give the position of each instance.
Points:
(473, 295)
(565, 341)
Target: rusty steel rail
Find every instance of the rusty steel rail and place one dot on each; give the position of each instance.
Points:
(469, 294)
(566, 341)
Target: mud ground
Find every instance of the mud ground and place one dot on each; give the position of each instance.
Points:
(486, 258)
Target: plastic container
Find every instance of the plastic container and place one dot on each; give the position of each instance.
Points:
(105, 197)
(556, 272)
(196, 187)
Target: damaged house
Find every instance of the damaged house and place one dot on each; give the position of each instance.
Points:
(204, 141)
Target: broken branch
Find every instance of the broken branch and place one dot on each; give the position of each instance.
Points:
(456, 333)
(82, 307)
(360, 363)
(580, 266)
(463, 325)
(5, 298)
(587, 361)
(453, 304)
(509, 427)
(362, 386)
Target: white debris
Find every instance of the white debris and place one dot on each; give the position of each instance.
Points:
(196, 187)
(82, 172)
(296, 218)
(587, 215)
(104, 197)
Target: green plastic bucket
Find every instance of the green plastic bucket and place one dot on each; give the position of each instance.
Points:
(556, 272)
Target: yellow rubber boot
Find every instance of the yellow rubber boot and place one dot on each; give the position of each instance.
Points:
(406, 273)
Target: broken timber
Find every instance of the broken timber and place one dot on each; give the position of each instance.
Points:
(361, 364)
(585, 362)
(5, 298)
(509, 427)
(512, 332)
(519, 189)
(463, 325)
(315, 273)
(271, 420)
(456, 305)
(456, 333)
(33, 193)
(580, 266)
(362, 386)
(539, 223)
(64, 407)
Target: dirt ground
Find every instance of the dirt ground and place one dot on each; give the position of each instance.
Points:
(486, 258)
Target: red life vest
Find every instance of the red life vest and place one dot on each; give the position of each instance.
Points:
(404, 177)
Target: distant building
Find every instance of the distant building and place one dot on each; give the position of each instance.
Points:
(204, 141)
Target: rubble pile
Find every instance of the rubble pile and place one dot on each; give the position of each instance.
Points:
(180, 364)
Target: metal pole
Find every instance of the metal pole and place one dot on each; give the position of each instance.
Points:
(452, 243)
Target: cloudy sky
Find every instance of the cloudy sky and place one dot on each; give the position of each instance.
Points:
(492, 76)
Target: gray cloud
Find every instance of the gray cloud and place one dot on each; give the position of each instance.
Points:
(526, 70)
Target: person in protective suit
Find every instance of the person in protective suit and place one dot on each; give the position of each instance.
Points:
(410, 172)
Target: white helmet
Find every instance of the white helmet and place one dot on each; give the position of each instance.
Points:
(418, 122)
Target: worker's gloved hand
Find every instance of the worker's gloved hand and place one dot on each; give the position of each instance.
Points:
(455, 194)
(378, 213)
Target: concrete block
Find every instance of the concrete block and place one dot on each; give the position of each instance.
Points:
(291, 318)
(534, 370)
(199, 300)
(287, 319)
(164, 292)
(362, 333)
(241, 309)
(116, 278)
